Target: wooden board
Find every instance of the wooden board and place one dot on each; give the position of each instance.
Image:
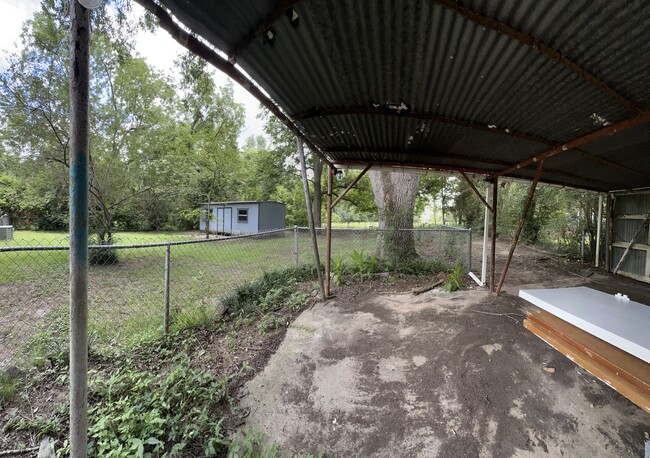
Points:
(621, 363)
(611, 378)
(621, 323)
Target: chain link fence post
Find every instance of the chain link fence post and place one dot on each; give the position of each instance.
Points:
(295, 244)
(167, 274)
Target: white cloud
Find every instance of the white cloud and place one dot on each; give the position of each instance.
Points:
(158, 48)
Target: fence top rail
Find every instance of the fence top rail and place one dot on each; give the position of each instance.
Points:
(375, 229)
(141, 245)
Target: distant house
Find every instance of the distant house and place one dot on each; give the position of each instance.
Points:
(235, 218)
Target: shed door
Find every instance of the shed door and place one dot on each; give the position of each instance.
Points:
(226, 223)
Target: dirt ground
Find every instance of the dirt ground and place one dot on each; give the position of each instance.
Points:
(378, 372)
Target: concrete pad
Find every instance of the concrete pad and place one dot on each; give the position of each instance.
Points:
(396, 375)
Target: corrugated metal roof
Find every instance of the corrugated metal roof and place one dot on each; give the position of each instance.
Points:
(427, 57)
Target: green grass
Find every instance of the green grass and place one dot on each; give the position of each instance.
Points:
(127, 298)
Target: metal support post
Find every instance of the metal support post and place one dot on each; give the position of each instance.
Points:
(522, 220)
(310, 215)
(295, 244)
(328, 233)
(167, 273)
(469, 250)
(598, 227)
(79, 161)
(486, 230)
(493, 252)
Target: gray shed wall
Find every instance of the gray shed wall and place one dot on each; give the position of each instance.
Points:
(272, 216)
(627, 217)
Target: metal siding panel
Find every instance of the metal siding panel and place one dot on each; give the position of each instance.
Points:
(634, 262)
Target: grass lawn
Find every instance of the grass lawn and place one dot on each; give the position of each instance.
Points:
(127, 297)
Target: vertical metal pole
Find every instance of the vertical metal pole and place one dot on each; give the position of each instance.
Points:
(79, 158)
(493, 252)
(486, 230)
(167, 275)
(295, 244)
(520, 225)
(582, 246)
(598, 227)
(310, 215)
(328, 233)
(469, 250)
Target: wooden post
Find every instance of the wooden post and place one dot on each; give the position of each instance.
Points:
(520, 226)
(328, 233)
(493, 252)
(310, 215)
(79, 160)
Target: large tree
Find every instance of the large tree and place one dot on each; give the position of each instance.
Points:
(395, 194)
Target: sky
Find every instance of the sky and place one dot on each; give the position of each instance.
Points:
(158, 49)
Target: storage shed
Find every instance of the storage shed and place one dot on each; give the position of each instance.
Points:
(246, 217)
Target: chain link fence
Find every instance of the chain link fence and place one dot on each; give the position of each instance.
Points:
(146, 283)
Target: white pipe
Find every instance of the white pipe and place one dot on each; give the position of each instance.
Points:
(476, 279)
(598, 225)
(488, 197)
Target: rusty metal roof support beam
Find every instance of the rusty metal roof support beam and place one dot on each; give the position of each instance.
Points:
(593, 136)
(539, 46)
(383, 111)
(350, 186)
(520, 226)
(478, 194)
(194, 45)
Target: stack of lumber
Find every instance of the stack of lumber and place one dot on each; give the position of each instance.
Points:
(627, 373)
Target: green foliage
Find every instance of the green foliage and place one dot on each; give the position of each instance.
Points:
(9, 383)
(269, 322)
(339, 269)
(268, 292)
(139, 414)
(363, 265)
(253, 445)
(454, 280)
(38, 425)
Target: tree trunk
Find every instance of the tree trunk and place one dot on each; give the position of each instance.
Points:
(395, 194)
(317, 203)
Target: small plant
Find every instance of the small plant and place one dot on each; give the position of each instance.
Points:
(363, 265)
(454, 279)
(269, 322)
(38, 425)
(297, 301)
(338, 270)
(253, 445)
(8, 385)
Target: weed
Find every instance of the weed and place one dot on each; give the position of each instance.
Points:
(269, 322)
(297, 301)
(454, 279)
(339, 269)
(9, 382)
(38, 425)
(253, 445)
(363, 265)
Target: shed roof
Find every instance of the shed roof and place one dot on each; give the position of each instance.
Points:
(472, 85)
(246, 202)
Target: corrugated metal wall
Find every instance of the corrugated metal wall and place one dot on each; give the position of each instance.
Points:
(627, 218)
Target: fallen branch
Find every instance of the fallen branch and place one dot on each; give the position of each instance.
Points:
(507, 315)
(424, 289)
(18, 451)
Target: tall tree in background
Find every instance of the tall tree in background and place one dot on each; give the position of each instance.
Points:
(395, 194)
(211, 122)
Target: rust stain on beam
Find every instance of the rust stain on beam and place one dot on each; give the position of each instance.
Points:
(591, 137)
(194, 45)
(539, 46)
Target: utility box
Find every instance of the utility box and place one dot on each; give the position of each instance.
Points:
(6, 233)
